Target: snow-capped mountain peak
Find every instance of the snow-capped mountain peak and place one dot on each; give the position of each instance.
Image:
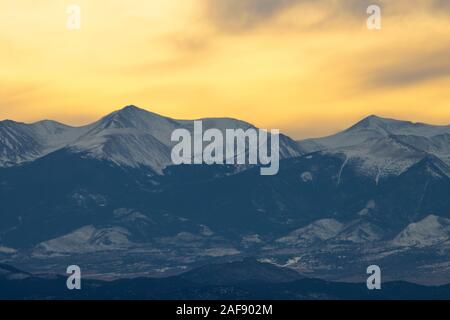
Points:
(375, 123)
(383, 146)
(387, 126)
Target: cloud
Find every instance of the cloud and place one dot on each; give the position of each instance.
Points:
(442, 5)
(413, 69)
(243, 15)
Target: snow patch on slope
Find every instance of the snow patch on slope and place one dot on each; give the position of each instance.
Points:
(317, 231)
(7, 250)
(359, 232)
(88, 239)
(427, 232)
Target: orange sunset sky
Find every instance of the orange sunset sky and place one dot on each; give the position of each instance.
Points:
(308, 67)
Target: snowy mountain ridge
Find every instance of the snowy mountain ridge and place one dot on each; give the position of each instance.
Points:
(131, 136)
(134, 137)
(382, 147)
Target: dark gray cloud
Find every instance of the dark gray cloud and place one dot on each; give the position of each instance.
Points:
(412, 70)
(241, 15)
(443, 5)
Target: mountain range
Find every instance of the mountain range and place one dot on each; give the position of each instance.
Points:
(106, 196)
(241, 280)
(130, 137)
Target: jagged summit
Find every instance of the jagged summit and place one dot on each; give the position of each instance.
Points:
(131, 107)
(388, 126)
(376, 122)
(9, 122)
(132, 110)
(132, 117)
